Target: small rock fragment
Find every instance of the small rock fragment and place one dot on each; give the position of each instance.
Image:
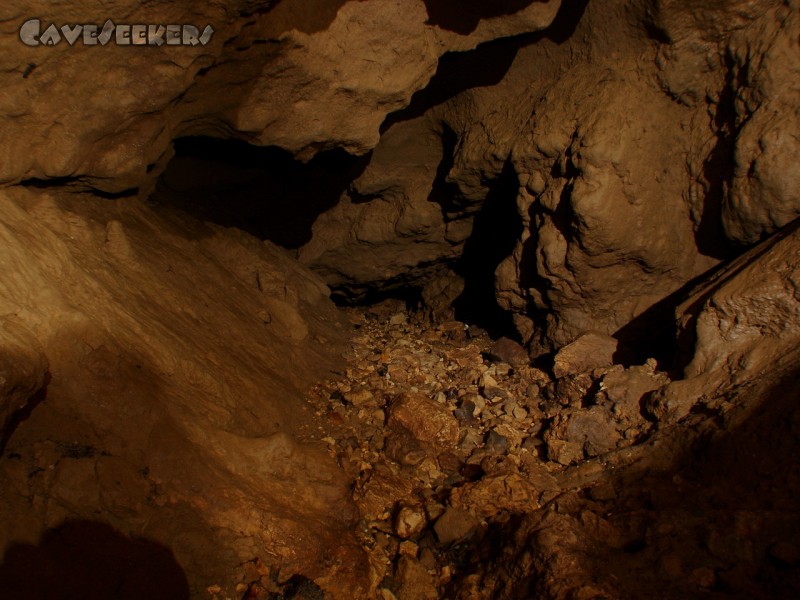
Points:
(589, 351)
(398, 319)
(409, 522)
(409, 548)
(474, 331)
(508, 351)
(358, 397)
(496, 443)
(703, 577)
(785, 553)
(453, 330)
(564, 453)
(472, 439)
(454, 525)
(427, 421)
(466, 413)
(487, 381)
(404, 449)
(415, 583)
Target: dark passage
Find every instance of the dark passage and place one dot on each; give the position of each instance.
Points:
(496, 229)
(262, 190)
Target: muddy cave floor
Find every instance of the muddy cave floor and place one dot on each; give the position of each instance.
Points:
(477, 475)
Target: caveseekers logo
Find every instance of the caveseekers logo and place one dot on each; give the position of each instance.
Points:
(31, 34)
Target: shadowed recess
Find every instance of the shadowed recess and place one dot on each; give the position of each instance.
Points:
(91, 561)
(495, 230)
(21, 414)
(463, 16)
(484, 66)
(77, 185)
(718, 172)
(262, 190)
(457, 72)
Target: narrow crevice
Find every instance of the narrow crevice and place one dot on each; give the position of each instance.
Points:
(718, 173)
(21, 414)
(50, 182)
(410, 295)
(77, 185)
(443, 192)
(458, 72)
(495, 232)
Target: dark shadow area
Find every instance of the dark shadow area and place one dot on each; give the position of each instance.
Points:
(463, 16)
(458, 72)
(87, 560)
(20, 415)
(397, 289)
(262, 7)
(76, 185)
(302, 16)
(262, 190)
(712, 511)
(495, 232)
(444, 193)
(653, 333)
(718, 173)
(484, 66)
(729, 502)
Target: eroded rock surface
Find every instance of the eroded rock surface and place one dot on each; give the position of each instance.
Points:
(175, 356)
(579, 164)
(634, 161)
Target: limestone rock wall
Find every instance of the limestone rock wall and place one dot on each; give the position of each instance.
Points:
(645, 153)
(175, 357)
(649, 139)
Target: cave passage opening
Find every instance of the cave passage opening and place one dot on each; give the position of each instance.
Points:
(262, 190)
(268, 193)
(496, 228)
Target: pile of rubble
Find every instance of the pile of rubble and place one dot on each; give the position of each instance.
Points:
(445, 431)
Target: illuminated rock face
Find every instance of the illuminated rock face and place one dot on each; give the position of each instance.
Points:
(638, 143)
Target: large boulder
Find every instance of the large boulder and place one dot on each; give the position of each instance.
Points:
(739, 327)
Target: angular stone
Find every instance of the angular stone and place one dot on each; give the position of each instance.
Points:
(398, 319)
(426, 421)
(624, 389)
(415, 583)
(358, 397)
(409, 522)
(588, 352)
(382, 490)
(496, 442)
(508, 351)
(593, 430)
(563, 452)
(454, 525)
